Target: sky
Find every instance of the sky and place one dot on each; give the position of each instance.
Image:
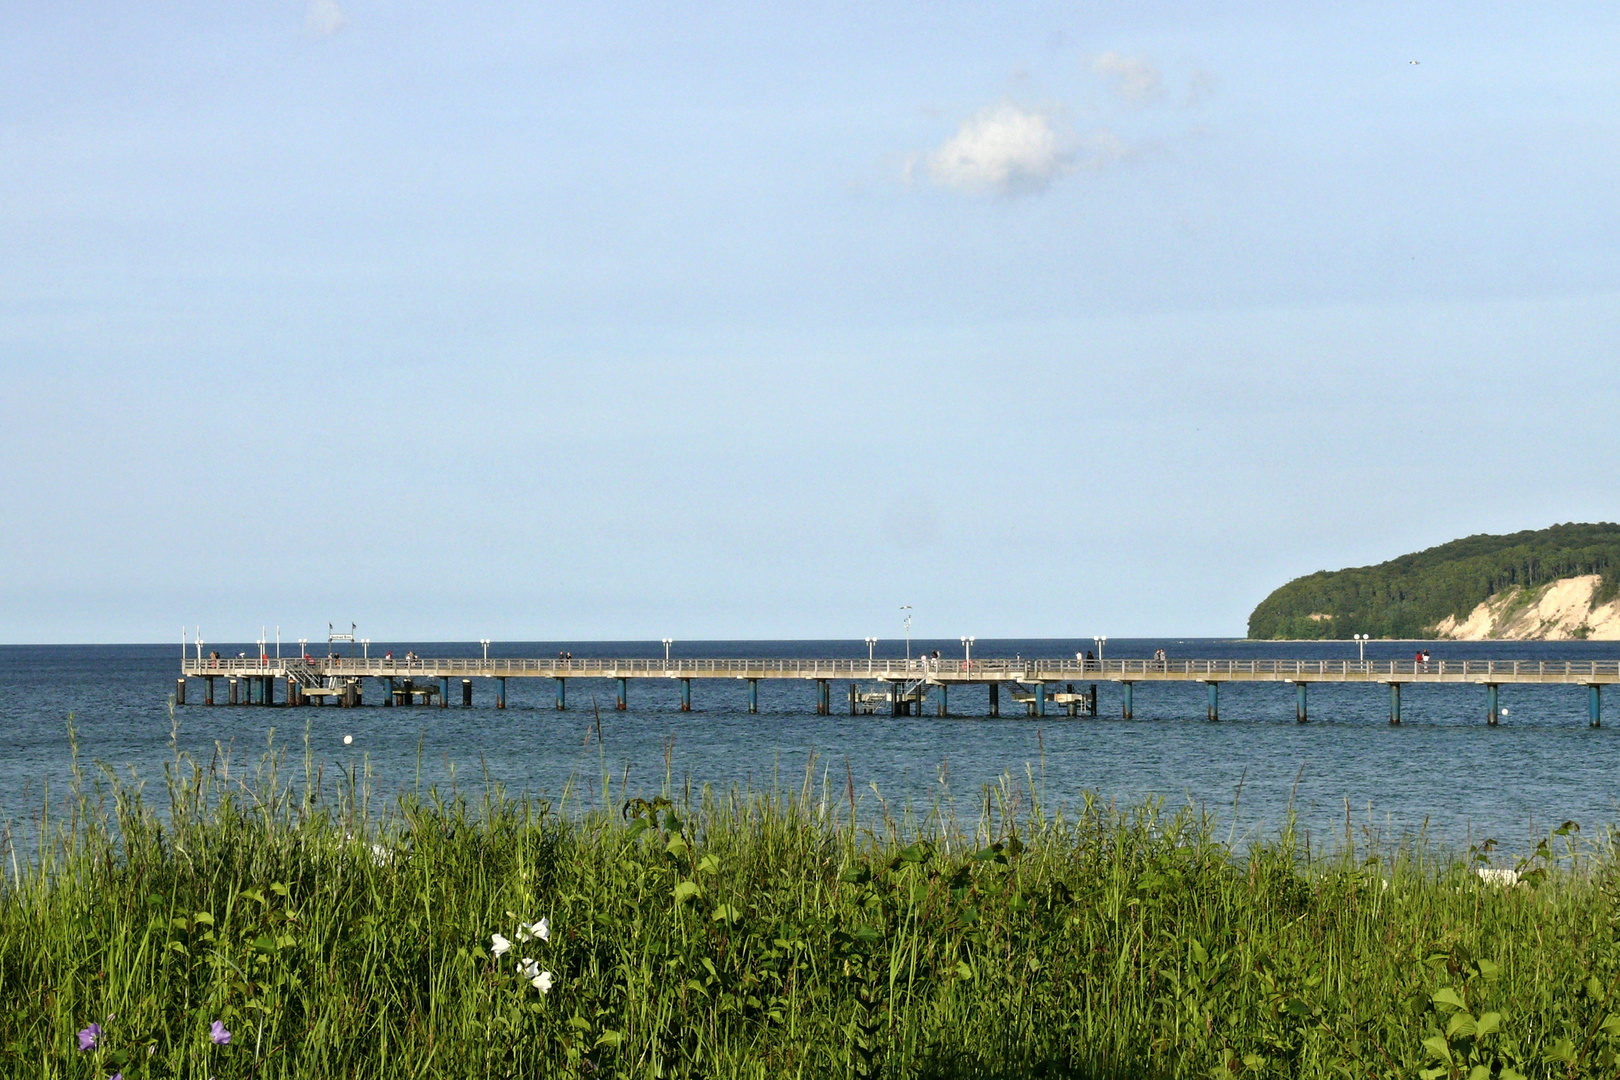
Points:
(729, 321)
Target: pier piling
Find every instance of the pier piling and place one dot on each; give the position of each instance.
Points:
(686, 695)
(753, 695)
(500, 694)
(1492, 710)
(1300, 712)
(944, 705)
(562, 695)
(180, 690)
(995, 699)
(1395, 703)
(1594, 705)
(624, 695)
(1129, 710)
(1214, 701)
(466, 693)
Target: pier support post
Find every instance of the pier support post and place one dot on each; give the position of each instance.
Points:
(894, 699)
(753, 695)
(500, 693)
(1395, 703)
(388, 692)
(269, 689)
(624, 696)
(1594, 705)
(562, 695)
(944, 701)
(231, 690)
(208, 694)
(1214, 701)
(1130, 700)
(1301, 714)
(821, 697)
(686, 695)
(995, 699)
(1040, 699)
(1493, 711)
(180, 690)
(852, 698)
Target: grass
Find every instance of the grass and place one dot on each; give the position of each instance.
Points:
(800, 933)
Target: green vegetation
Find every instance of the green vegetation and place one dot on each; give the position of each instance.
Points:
(770, 935)
(1408, 596)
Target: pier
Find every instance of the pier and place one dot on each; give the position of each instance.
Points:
(1041, 687)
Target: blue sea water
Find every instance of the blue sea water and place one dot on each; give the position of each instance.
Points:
(1443, 773)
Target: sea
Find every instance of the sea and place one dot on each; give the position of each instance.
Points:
(1347, 776)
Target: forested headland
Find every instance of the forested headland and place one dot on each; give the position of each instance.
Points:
(1408, 597)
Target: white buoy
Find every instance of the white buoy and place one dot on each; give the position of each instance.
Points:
(347, 739)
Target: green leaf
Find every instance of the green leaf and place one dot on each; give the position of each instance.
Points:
(1462, 1026)
(726, 913)
(204, 918)
(1509, 1073)
(1480, 1072)
(676, 846)
(686, 890)
(709, 864)
(1611, 1024)
(609, 1037)
(1594, 989)
(278, 888)
(1199, 953)
(1438, 1047)
(964, 971)
(1446, 998)
(264, 944)
(1490, 969)
(1434, 1074)
(1562, 1050)
(1489, 1023)
(579, 1023)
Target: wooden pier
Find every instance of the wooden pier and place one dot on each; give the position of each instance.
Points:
(899, 687)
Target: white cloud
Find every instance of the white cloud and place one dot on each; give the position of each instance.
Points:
(1004, 149)
(1131, 78)
(324, 18)
(1010, 150)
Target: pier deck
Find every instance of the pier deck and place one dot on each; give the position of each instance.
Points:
(1032, 682)
(1480, 672)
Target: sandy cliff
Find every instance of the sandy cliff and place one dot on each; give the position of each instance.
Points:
(1557, 611)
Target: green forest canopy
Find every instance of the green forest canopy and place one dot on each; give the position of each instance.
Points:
(1408, 596)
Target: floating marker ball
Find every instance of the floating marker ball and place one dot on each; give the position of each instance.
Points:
(347, 739)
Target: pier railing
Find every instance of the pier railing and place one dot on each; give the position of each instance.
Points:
(940, 669)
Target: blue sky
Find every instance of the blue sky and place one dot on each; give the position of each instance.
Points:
(763, 320)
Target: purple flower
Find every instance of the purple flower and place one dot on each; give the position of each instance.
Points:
(116, 1076)
(90, 1037)
(217, 1032)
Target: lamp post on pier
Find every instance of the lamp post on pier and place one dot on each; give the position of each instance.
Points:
(1361, 644)
(967, 648)
(485, 643)
(667, 643)
(871, 643)
(1101, 641)
(907, 609)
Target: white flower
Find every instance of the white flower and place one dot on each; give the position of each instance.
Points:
(1500, 876)
(529, 969)
(542, 982)
(498, 945)
(541, 930)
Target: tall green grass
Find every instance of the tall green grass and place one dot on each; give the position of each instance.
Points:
(800, 932)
